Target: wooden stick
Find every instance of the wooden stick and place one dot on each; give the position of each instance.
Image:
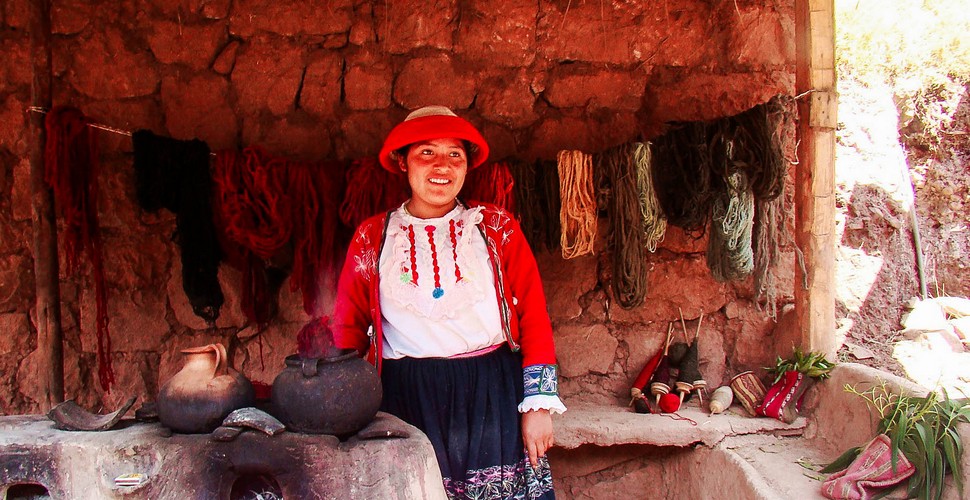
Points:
(670, 328)
(50, 337)
(683, 325)
(699, 321)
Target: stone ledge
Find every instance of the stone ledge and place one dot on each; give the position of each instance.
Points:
(611, 426)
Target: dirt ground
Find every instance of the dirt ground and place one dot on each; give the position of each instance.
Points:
(892, 151)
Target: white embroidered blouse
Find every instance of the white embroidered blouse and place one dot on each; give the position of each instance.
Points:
(437, 297)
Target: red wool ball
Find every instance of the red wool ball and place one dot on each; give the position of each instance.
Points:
(669, 403)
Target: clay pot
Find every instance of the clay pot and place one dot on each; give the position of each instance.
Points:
(200, 396)
(336, 395)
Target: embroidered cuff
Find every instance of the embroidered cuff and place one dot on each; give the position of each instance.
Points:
(551, 403)
(541, 380)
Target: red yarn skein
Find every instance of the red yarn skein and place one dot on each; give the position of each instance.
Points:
(669, 403)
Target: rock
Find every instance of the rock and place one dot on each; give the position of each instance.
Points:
(609, 128)
(136, 319)
(198, 108)
(15, 328)
(16, 283)
(564, 282)
(363, 132)
(227, 58)
(403, 28)
(254, 418)
(267, 75)
(192, 45)
(412, 88)
(585, 349)
(859, 352)
(368, 87)
(961, 326)
(926, 315)
(102, 67)
(322, 84)
(289, 17)
(509, 100)
(14, 125)
(677, 285)
(613, 89)
(502, 33)
(761, 37)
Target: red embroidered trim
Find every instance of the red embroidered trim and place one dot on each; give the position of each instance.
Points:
(414, 257)
(438, 291)
(454, 248)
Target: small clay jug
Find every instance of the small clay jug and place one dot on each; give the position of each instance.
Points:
(200, 396)
(336, 395)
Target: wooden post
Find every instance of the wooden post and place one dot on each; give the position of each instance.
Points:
(50, 347)
(815, 173)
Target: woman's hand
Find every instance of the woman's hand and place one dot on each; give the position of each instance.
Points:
(537, 434)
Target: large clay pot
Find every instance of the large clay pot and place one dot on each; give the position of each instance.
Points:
(200, 396)
(337, 395)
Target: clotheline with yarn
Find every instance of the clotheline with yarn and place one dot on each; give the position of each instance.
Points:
(445, 297)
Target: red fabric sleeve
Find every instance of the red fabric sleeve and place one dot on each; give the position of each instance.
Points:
(352, 310)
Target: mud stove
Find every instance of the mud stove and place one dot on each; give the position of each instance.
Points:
(39, 461)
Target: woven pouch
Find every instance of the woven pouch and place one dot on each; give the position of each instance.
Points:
(748, 390)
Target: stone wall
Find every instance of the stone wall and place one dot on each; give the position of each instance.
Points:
(327, 80)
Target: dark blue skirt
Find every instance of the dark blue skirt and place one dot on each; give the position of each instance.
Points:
(468, 408)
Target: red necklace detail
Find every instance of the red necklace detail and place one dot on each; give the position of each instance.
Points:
(438, 291)
(414, 258)
(454, 245)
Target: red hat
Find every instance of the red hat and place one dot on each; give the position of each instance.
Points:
(432, 122)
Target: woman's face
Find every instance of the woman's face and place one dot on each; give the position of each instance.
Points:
(436, 171)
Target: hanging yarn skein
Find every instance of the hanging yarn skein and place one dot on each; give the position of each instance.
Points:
(652, 215)
(312, 187)
(770, 234)
(71, 170)
(578, 213)
(627, 239)
(254, 221)
(682, 175)
(528, 211)
(252, 200)
(174, 175)
(369, 190)
(492, 183)
(537, 202)
(729, 253)
(548, 184)
(756, 136)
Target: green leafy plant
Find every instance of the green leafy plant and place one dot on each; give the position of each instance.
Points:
(812, 364)
(924, 430)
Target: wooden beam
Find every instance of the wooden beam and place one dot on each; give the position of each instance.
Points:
(815, 173)
(50, 347)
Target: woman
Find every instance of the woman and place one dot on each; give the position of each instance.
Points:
(447, 301)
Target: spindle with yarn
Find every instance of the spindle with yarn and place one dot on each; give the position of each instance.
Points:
(682, 389)
(659, 389)
(721, 399)
(699, 386)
